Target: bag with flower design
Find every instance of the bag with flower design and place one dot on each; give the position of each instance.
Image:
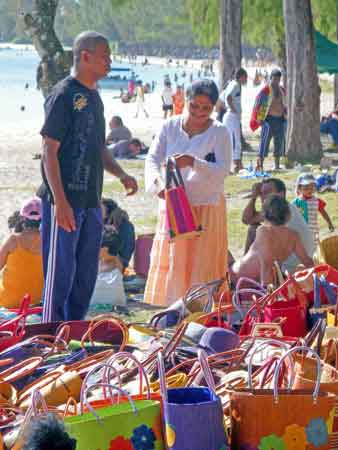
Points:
(129, 425)
(282, 419)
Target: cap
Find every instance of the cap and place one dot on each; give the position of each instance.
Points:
(31, 209)
(275, 73)
(305, 179)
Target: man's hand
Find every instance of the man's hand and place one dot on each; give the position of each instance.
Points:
(65, 216)
(183, 161)
(256, 190)
(130, 184)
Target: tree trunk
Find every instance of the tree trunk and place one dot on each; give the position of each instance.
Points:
(303, 137)
(55, 62)
(230, 30)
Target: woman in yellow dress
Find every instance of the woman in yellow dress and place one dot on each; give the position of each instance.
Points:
(202, 150)
(21, 260)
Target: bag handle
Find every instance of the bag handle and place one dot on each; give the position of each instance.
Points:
(95, 324)
(333, 342)
(161, 374)
(318, 331)
(106, 379)
(206, 370)
(142, 373)
(173, 173)
(20, 369)
(261, 345)
(111, 387)
(288, 355)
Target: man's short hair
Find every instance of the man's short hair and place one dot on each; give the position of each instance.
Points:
(276, 210)
(117, 120)
(240, 73)
(279, 184)
(135, 141)
(87, 40)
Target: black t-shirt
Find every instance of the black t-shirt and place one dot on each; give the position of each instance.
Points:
(74, 116)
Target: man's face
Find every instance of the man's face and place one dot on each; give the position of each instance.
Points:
(243, 79)
(270, 188)
(275, 81)
(98, 61)
(134, 149)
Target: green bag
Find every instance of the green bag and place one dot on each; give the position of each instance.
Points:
(129, 425)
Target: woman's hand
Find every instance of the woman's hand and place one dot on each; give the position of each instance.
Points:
(183, 161)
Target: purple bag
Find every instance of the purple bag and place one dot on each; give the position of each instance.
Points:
(189, 412)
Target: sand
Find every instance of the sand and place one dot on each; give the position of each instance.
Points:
(20, 141)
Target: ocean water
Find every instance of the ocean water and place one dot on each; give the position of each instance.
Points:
(18, 68)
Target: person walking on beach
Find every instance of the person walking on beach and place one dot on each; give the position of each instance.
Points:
(140, 99)
(232, 118)
(74, 158)
(269, 112)
(167, 99)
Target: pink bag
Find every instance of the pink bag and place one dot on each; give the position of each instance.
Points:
(143, 246)
(180, 219)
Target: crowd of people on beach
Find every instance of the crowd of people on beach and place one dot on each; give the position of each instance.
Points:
(51, 231)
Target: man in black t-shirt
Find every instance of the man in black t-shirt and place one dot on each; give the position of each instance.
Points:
(74, 158)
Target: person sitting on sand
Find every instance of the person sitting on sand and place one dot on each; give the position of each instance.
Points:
(329, 125)
(118, 132)
(126, 149)
(275, 241)
(254, 218)
(20, 257)
(118, 237)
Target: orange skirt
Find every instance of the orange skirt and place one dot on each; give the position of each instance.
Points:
(178, 265)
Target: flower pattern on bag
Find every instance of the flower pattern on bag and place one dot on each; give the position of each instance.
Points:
(272, 442)
(170, 435)
(143, 438)
(295, 437)
(120, 443)
(316, 432)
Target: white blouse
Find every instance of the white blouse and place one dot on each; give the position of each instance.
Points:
(204, 182)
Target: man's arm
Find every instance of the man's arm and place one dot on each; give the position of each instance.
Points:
(250, 215)
(112, 166)
(327, 219)
(230, 102)
(63, 211)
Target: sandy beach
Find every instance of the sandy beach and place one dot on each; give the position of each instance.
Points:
(20, 141)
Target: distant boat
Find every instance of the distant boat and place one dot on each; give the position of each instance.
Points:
(118, 78)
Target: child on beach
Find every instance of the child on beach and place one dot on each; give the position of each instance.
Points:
(309, 204)
(179, 100)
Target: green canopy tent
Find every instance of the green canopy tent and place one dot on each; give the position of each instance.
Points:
(326, 54)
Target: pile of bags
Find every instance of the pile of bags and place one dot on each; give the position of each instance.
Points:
(252, 369)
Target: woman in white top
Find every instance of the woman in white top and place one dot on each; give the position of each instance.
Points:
(202, 149)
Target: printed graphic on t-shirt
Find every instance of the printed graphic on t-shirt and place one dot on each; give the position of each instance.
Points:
(81, 170)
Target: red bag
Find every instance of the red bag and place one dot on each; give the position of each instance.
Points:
(288, 301)
(304, 280)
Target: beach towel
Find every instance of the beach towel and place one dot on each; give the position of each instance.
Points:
(262, 106)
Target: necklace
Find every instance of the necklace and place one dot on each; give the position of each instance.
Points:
(193, 131)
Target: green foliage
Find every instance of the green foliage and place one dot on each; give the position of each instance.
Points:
(204, 18)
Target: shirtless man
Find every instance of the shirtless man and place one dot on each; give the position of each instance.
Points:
(270, 113)
(253, 217)
(274, 242)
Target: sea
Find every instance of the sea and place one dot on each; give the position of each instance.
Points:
(21, 101)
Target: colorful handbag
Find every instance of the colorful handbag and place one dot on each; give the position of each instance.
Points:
(129, 425)
(193, 416)
(180, 218)
(282, 419)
